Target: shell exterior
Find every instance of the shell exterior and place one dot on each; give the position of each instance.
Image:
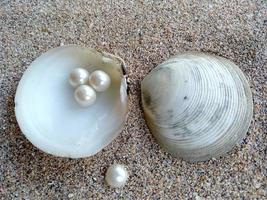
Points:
(198, 106)
(48, 114)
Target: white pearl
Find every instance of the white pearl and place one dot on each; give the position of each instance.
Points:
(85, 95)
(99, 80)
(78, 76)
(116, 175)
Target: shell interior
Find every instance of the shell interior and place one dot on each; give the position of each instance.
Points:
(50, 117)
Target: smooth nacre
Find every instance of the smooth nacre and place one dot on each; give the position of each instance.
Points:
(50, 117)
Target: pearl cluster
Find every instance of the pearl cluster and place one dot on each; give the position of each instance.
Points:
(86, 84)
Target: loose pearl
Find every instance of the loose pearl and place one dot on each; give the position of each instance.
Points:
(116, 175)
(85, 95)
(78, 76)
(99, 80)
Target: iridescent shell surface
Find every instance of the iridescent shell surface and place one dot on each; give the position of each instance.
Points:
(48, 114)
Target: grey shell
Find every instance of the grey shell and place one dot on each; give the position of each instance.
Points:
(197, 105)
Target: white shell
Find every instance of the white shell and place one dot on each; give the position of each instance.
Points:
(198, 106)
(48, 114)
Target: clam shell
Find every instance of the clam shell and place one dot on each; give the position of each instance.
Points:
(198, 106)
(48, 114)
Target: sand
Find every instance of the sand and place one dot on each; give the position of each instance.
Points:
(144, 33)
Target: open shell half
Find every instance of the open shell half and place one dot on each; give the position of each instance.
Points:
(48, 114)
